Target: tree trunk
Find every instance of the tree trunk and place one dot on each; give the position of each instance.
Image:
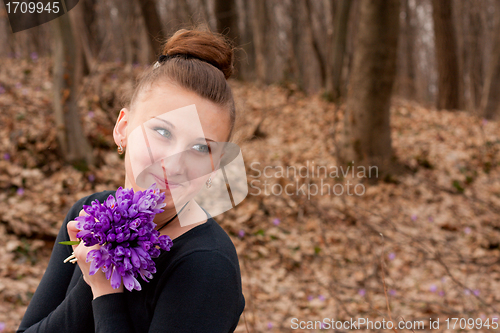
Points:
(259, 21)
(75, 148)
(153, 26)
(337, 51)
(227, 16)
(307, 64)
(491, 95)
(367, 135)
(449, 78)
(475, 55)
(409, 52)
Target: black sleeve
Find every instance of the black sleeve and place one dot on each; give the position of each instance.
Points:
(50, 309)
(202, 294)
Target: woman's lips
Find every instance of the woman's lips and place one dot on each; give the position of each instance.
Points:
(161, 181)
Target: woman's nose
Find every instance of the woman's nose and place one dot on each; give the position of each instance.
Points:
(173, 163)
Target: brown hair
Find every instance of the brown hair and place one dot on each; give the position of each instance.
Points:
(204, 63)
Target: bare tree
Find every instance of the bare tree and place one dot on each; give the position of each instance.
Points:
(307, 59)
(153, 26)
(337, 52)
(409, 52)
(449, 78)
(74, 146)
(491, 96)
(259, 20)
(367, 136)
(226, 15)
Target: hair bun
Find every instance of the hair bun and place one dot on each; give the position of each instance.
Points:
(208, 46)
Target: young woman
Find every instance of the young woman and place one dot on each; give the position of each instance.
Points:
(184, 109)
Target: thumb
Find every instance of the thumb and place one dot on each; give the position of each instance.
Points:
(72, 231)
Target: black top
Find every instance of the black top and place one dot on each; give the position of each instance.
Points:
(197, 288)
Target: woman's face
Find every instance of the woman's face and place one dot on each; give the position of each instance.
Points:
(173, 138)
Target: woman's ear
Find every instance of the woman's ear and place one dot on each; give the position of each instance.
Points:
(120, 130)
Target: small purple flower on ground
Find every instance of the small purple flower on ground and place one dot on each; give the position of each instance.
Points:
(20, 191)
(431, 219)
(34, 56)
(91, 178)
(392, 256)
(362, 292)
(392, 292)
(441, 293)
(433, 288)
(476, 292)
(2, 327)
(2, 90)
(269, 325)
(6, 156)
(467, 230)
(90, 114)
(321, 298)
(241, 233)
(467, 291)
(310, 297)
(276, 221)
(414, 217)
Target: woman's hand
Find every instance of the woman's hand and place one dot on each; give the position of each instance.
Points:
(98, 282)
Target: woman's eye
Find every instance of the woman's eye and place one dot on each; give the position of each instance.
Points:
(201, 148)
(163, 132)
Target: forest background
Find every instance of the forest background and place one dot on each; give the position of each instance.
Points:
(409, 86)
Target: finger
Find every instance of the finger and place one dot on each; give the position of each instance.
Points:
(72, 231)
(82, 213)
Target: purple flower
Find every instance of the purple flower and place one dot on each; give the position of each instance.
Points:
(34, 56)
(6, 156)
(20, 191)
(2, 90)
(2, 327)
(362, 292)
(321, 298)
(476, 292)
(90, 114)
(276, 221)
(310, 297)
(91, 178)
(467, 291)
(124, 228)
(441, 293)
(392, 256)
(269, 325)
(467, 230)
(433, 288)
(241, 233)
(431, 219)
(414, 217)
(392, 292)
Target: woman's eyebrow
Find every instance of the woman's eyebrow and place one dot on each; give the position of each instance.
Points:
(207, 139)
(165, 121)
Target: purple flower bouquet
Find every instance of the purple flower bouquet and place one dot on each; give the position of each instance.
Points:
(125, 230)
